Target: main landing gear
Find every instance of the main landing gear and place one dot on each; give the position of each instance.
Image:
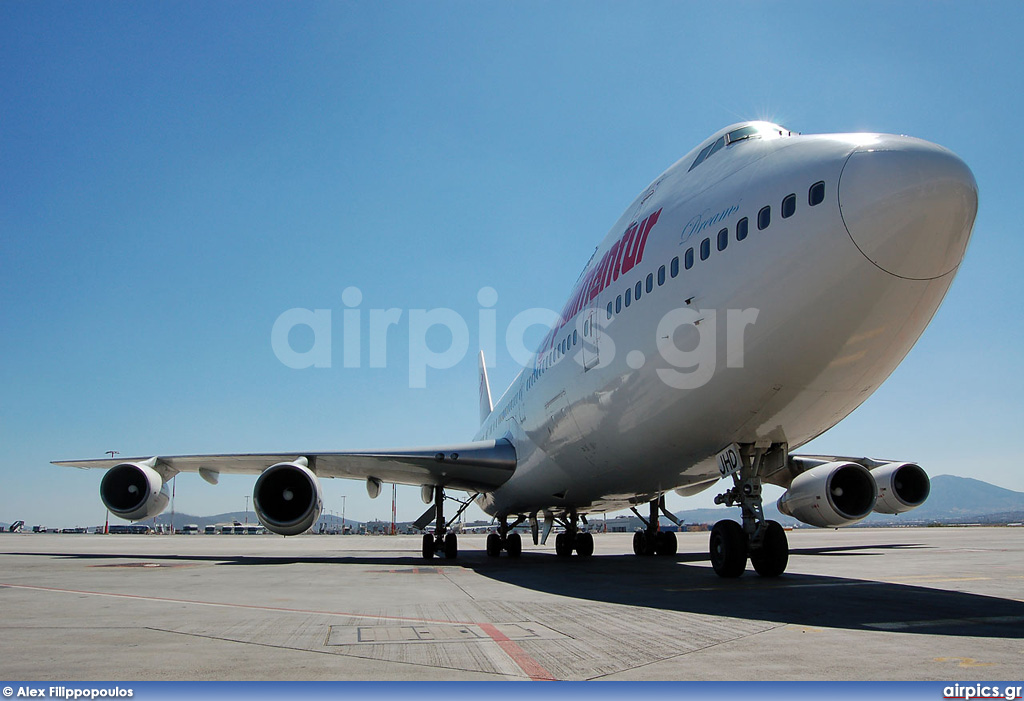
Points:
(572, 539)
(763, 542)
(505, 539)
(652, 540)
(442, 540)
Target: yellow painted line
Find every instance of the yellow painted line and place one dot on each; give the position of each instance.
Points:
(907, 625)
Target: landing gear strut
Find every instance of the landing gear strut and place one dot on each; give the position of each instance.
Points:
(653, 540)
(763, 541)
(442, 540)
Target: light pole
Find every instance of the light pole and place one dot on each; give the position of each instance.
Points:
(343, 515)
(247, 508)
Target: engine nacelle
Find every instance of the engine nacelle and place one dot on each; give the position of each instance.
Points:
(134, 491)
(287, 498)
(902, 486)
(830, 495)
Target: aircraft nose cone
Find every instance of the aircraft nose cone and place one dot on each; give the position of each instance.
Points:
(909, 206)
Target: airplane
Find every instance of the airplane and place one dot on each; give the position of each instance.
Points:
(750, 298)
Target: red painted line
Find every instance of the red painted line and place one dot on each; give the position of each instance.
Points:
(530, 666)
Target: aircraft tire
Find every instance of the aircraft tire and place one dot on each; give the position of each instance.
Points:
(771, 558)
(451, 546)
(428, 546)
(584, 544)
(514, 545)
(563, 545)
(640, 543)
(728, 549)
(667, 545)
(493, 544)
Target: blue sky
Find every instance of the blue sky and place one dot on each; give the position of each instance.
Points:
(173, 177)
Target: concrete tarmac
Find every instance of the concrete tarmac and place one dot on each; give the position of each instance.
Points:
(874, 604)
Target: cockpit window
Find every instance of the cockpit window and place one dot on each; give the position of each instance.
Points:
(701, 156)
(753, 130)
(743, 133)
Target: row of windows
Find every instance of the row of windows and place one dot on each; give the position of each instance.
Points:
(815, 196)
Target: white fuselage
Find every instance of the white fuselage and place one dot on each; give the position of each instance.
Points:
(796, 324)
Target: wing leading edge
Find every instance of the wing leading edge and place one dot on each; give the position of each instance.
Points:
(481, 466)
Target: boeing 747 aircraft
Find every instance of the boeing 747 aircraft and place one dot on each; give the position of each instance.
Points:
(749, 299)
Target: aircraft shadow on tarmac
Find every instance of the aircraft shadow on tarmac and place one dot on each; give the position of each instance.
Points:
(674, 584)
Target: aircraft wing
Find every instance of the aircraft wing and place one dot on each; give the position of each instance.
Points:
(481, 466)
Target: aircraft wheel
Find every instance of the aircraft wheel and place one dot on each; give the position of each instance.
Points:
(640, 545)
(728, 549)
(493, 544)
(584, 544)
(666, 543)
(451, 546)
(428, 546)
(771, 558)
(563, 545)
(514, 545)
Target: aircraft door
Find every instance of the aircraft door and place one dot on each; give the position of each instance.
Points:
(591, 347)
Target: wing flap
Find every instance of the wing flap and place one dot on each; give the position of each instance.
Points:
(477, 466)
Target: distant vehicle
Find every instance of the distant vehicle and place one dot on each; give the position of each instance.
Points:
(16, 527)
(132, 528)
(209, 530)
(39, 529)
(189, 529)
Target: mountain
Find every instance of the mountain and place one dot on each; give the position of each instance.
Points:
(952, 500)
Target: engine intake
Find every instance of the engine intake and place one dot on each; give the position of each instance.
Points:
(902, 486)
(134, 491)
(830, 495)
(287, 498)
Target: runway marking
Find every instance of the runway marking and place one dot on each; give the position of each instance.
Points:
(530, 666)
(982, 620)
(520, 657)
(932, 578)
(965, 661)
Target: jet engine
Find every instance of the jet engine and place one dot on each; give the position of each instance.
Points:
(902, 486)
(830, 495)
(287, 498)
(134, 491)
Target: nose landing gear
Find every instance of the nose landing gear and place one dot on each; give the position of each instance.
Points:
(762, 541)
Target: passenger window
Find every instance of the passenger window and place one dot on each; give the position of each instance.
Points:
(637, 290)
(705, 249)
(764, 218)
(661, 276)
(609, 310)
(618, 304)
(741, 229)
(574, 338)
(650, 282)
(788, 206)
(723, 239)
(629, 295)
(816, 195)
(674, 268)
(688, 258)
